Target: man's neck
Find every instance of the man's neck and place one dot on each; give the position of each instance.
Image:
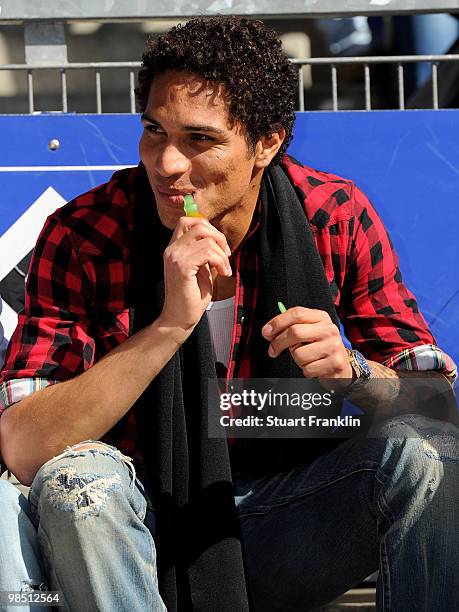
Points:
(235, 222)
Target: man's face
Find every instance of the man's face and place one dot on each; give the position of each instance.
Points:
(189, 145)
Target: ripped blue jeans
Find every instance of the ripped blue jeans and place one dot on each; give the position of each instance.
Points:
(89, 510)
(388, 502)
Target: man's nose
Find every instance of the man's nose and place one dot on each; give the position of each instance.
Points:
(172, 161)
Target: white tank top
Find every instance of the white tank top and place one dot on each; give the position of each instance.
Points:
(220, 316)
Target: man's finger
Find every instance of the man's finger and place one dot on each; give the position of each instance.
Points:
(191, 229)
(318, 369)
(306, 354)
(293, 316)
(184, 224)
(301, 333)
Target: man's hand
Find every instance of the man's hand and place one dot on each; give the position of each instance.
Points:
(315, 344)
(196, 247)
(313, 340)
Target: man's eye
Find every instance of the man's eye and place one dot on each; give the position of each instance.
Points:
(201, 137)
(153, 129)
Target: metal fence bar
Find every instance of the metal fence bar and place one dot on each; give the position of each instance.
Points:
(64, 91)
(435, 85)
(30, 90)
(401, 87)
(71, 66)
(376, 59)
(365, 61)
(301, 88)
(98, 93)
(132, 90)
(140, 10)
(366, 69)
(334, 79)
(309, 61)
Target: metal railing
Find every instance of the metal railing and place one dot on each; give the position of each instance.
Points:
(64, 68)
(135, 10)
(366, 62)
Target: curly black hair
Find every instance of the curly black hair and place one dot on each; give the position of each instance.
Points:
(245, 56)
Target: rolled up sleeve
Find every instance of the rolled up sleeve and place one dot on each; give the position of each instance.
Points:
(52, 341)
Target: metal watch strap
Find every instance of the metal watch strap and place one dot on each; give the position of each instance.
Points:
(361, 370)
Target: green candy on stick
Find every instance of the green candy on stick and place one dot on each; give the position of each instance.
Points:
(190, 207)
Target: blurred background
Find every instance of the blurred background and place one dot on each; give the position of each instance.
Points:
(303, 38)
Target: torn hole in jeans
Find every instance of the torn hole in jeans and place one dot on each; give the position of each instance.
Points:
(83, 494)
(29, 585)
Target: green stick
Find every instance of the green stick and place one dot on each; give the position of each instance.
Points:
(281, 307)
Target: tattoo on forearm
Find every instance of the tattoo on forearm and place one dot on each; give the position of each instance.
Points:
(391, 392)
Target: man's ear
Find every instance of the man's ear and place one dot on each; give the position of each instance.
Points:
(267, 147)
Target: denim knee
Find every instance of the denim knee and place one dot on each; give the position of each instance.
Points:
(81, 481)
(425, 437)
(419, 461)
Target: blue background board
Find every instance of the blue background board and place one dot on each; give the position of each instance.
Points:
(407, 162)
(85, 140)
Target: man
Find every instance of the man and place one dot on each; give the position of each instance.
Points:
(217, 98)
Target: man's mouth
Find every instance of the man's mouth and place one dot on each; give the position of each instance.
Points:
(176, 192)
(174, 197)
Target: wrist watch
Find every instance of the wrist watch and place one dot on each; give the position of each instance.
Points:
(360, 368)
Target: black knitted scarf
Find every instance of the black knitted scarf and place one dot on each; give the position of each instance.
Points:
(200, 564)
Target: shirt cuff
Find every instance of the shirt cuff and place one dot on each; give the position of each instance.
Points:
(17, 389)
(422, 358)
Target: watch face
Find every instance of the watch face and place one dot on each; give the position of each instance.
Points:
(363, 364)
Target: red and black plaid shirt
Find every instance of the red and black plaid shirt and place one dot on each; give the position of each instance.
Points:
(77, 310)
